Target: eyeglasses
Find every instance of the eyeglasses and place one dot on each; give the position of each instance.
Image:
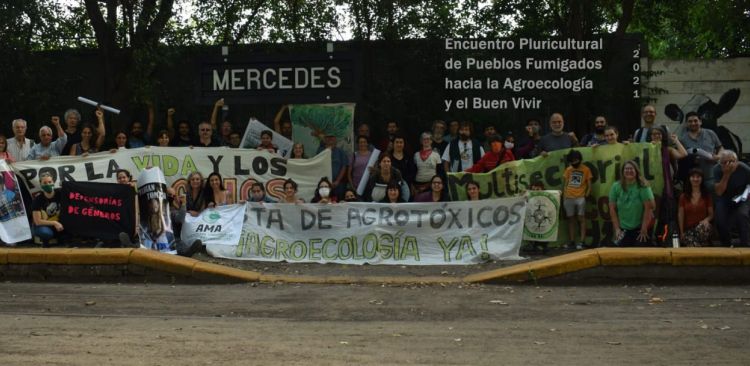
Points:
(205, 129)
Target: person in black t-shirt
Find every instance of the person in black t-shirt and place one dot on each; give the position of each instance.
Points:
(46, 210)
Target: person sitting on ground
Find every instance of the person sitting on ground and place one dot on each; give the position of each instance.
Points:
(46, 210)
(90, 142)
(195, 194)
(497, 155)
(46, 148)
(576, 187)
(695, 212)
(730, 179)
(266, 136)
(323, 192)
(379, 177)
(290, 192)
(436, 193)
(472, 191)
(215, 193)
(350, 195)
(631, 207)
(258, 194)
(427, 163)
(393, 193)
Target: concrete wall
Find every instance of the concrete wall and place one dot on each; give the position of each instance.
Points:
(683, 79)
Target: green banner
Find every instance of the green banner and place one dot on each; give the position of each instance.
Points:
(605, 162)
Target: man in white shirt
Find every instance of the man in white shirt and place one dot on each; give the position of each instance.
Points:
(19, 146)
(46, 148)
(462, 152)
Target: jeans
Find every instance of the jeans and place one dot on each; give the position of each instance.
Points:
(45, 233)
(727, 214)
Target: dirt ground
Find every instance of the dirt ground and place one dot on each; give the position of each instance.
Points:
(147, 324)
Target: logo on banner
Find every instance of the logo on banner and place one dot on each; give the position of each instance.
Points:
(212, 217)
(541, 215)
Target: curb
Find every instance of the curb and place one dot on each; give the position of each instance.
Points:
(524, 272)
(615, 257)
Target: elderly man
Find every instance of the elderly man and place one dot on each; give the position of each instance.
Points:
(557, 139)
(19, 146)
(46, 148)
(731, 179)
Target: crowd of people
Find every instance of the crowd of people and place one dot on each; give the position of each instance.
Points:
(713, 181)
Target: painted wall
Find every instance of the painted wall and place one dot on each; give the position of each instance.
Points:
(683, 79)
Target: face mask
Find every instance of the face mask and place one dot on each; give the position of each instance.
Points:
(48, 187)
(324, 191)
(509, 145)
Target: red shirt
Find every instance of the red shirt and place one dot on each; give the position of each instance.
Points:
(491, 160)
(694, 213)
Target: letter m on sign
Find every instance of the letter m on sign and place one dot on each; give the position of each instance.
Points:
(221, 83)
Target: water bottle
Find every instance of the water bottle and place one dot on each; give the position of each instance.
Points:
(675, 240)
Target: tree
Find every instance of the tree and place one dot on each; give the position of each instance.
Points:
(128, 34)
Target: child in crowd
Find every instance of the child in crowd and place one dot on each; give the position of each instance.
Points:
(576, 187)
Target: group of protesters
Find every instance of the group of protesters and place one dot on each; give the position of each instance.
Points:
(714, 188)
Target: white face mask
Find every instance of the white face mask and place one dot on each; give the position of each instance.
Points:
(509, 145)
(324, 191)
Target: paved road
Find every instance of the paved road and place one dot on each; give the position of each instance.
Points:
(145, 324)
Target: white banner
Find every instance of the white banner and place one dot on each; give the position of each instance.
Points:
(14, 226)
(215, 226)
(251, 138)
(357, 233)
(239, 168)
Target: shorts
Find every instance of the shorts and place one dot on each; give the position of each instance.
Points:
(574, 206)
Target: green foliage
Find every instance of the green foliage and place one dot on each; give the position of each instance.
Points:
(694, 29)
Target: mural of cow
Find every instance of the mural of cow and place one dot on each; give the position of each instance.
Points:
(709, 112)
